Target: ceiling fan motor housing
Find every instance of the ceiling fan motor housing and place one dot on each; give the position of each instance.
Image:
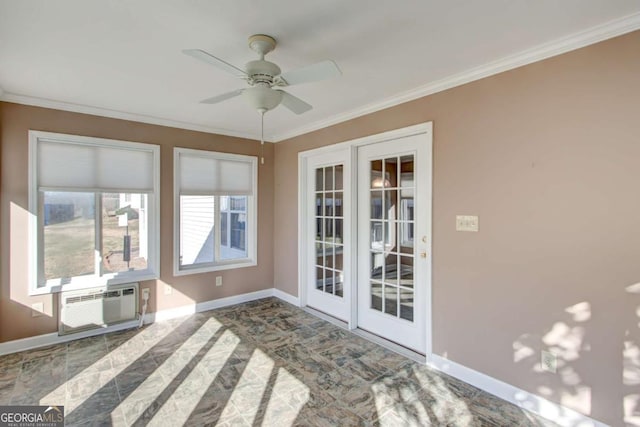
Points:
(261, 71)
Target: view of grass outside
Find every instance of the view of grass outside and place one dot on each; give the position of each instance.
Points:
(69, 248)
(69, 238)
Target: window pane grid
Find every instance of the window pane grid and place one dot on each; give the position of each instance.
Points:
(329, 227)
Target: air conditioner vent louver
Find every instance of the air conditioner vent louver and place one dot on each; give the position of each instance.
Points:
(98, 307)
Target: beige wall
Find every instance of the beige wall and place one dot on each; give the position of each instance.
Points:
(548, 156)
(15, 120)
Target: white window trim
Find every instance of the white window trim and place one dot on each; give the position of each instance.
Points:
(84, 282)
(252, 216)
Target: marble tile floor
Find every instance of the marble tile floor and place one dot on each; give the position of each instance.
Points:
(260, 363)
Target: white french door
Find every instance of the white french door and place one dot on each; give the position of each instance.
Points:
(394, 185)
(328, 242)
(365, 235)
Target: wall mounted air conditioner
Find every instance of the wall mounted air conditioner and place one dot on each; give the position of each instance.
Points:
(97, 307)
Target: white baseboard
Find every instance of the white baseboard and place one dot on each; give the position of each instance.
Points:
(186, 310)
(552, 411)
(158, 316)
(53, 338)
(286, 297)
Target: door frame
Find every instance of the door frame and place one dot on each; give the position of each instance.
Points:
(351, 261)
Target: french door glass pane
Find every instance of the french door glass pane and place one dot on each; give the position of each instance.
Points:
(337, 200)
(376, 174)
(391, 300)
(319, 179)
(338, 258)
(406, 304)
(390, 204)
(338, 231)
(406, 271)
(391, 172)
(338, 177)
(319, 278)
(377, 259)
(391, 269)
(376, 296)
(328, 204)
(328, 178)
(329, 229)
(319, 204)
(391, 235)
(328, 256)
(376, 205)
(406, 171)
(339, 284)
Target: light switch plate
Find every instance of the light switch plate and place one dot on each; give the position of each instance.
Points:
(467, 223)
(218, 280)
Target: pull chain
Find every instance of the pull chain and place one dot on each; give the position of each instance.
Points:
(262, 137)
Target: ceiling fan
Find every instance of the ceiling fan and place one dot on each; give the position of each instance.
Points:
(265, 78)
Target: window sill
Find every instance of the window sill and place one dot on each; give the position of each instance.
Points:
(217, 267)
(89, 283)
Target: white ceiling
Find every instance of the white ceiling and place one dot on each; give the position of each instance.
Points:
(123, 58)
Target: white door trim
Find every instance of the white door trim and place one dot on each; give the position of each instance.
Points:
(422, 128)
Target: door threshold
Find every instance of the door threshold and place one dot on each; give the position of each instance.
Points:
(324, 316)
(390, 345)
(382, 342)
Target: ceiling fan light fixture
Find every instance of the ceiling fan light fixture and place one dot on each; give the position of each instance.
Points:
(262, 98)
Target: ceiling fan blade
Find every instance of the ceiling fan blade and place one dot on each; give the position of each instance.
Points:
(311, 73)
(294, 103)
(208, 58)
(222, 97)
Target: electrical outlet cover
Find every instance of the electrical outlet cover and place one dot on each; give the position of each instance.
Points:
(549, 361)
(37, 309)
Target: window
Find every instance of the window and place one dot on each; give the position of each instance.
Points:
(94, 204)
(215, 202)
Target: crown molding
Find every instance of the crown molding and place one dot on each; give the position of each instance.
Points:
(614, 28)
(115, 114)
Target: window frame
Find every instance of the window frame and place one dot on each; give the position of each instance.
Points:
(252, 216)
(36, 214)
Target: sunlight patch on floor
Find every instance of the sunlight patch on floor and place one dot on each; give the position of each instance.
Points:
(247, 394)
(146, 393)
(407, 405)
(296, 394)
(126, 353)
(191, 390)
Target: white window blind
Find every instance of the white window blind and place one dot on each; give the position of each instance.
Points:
(92, 167)
(204, 174)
